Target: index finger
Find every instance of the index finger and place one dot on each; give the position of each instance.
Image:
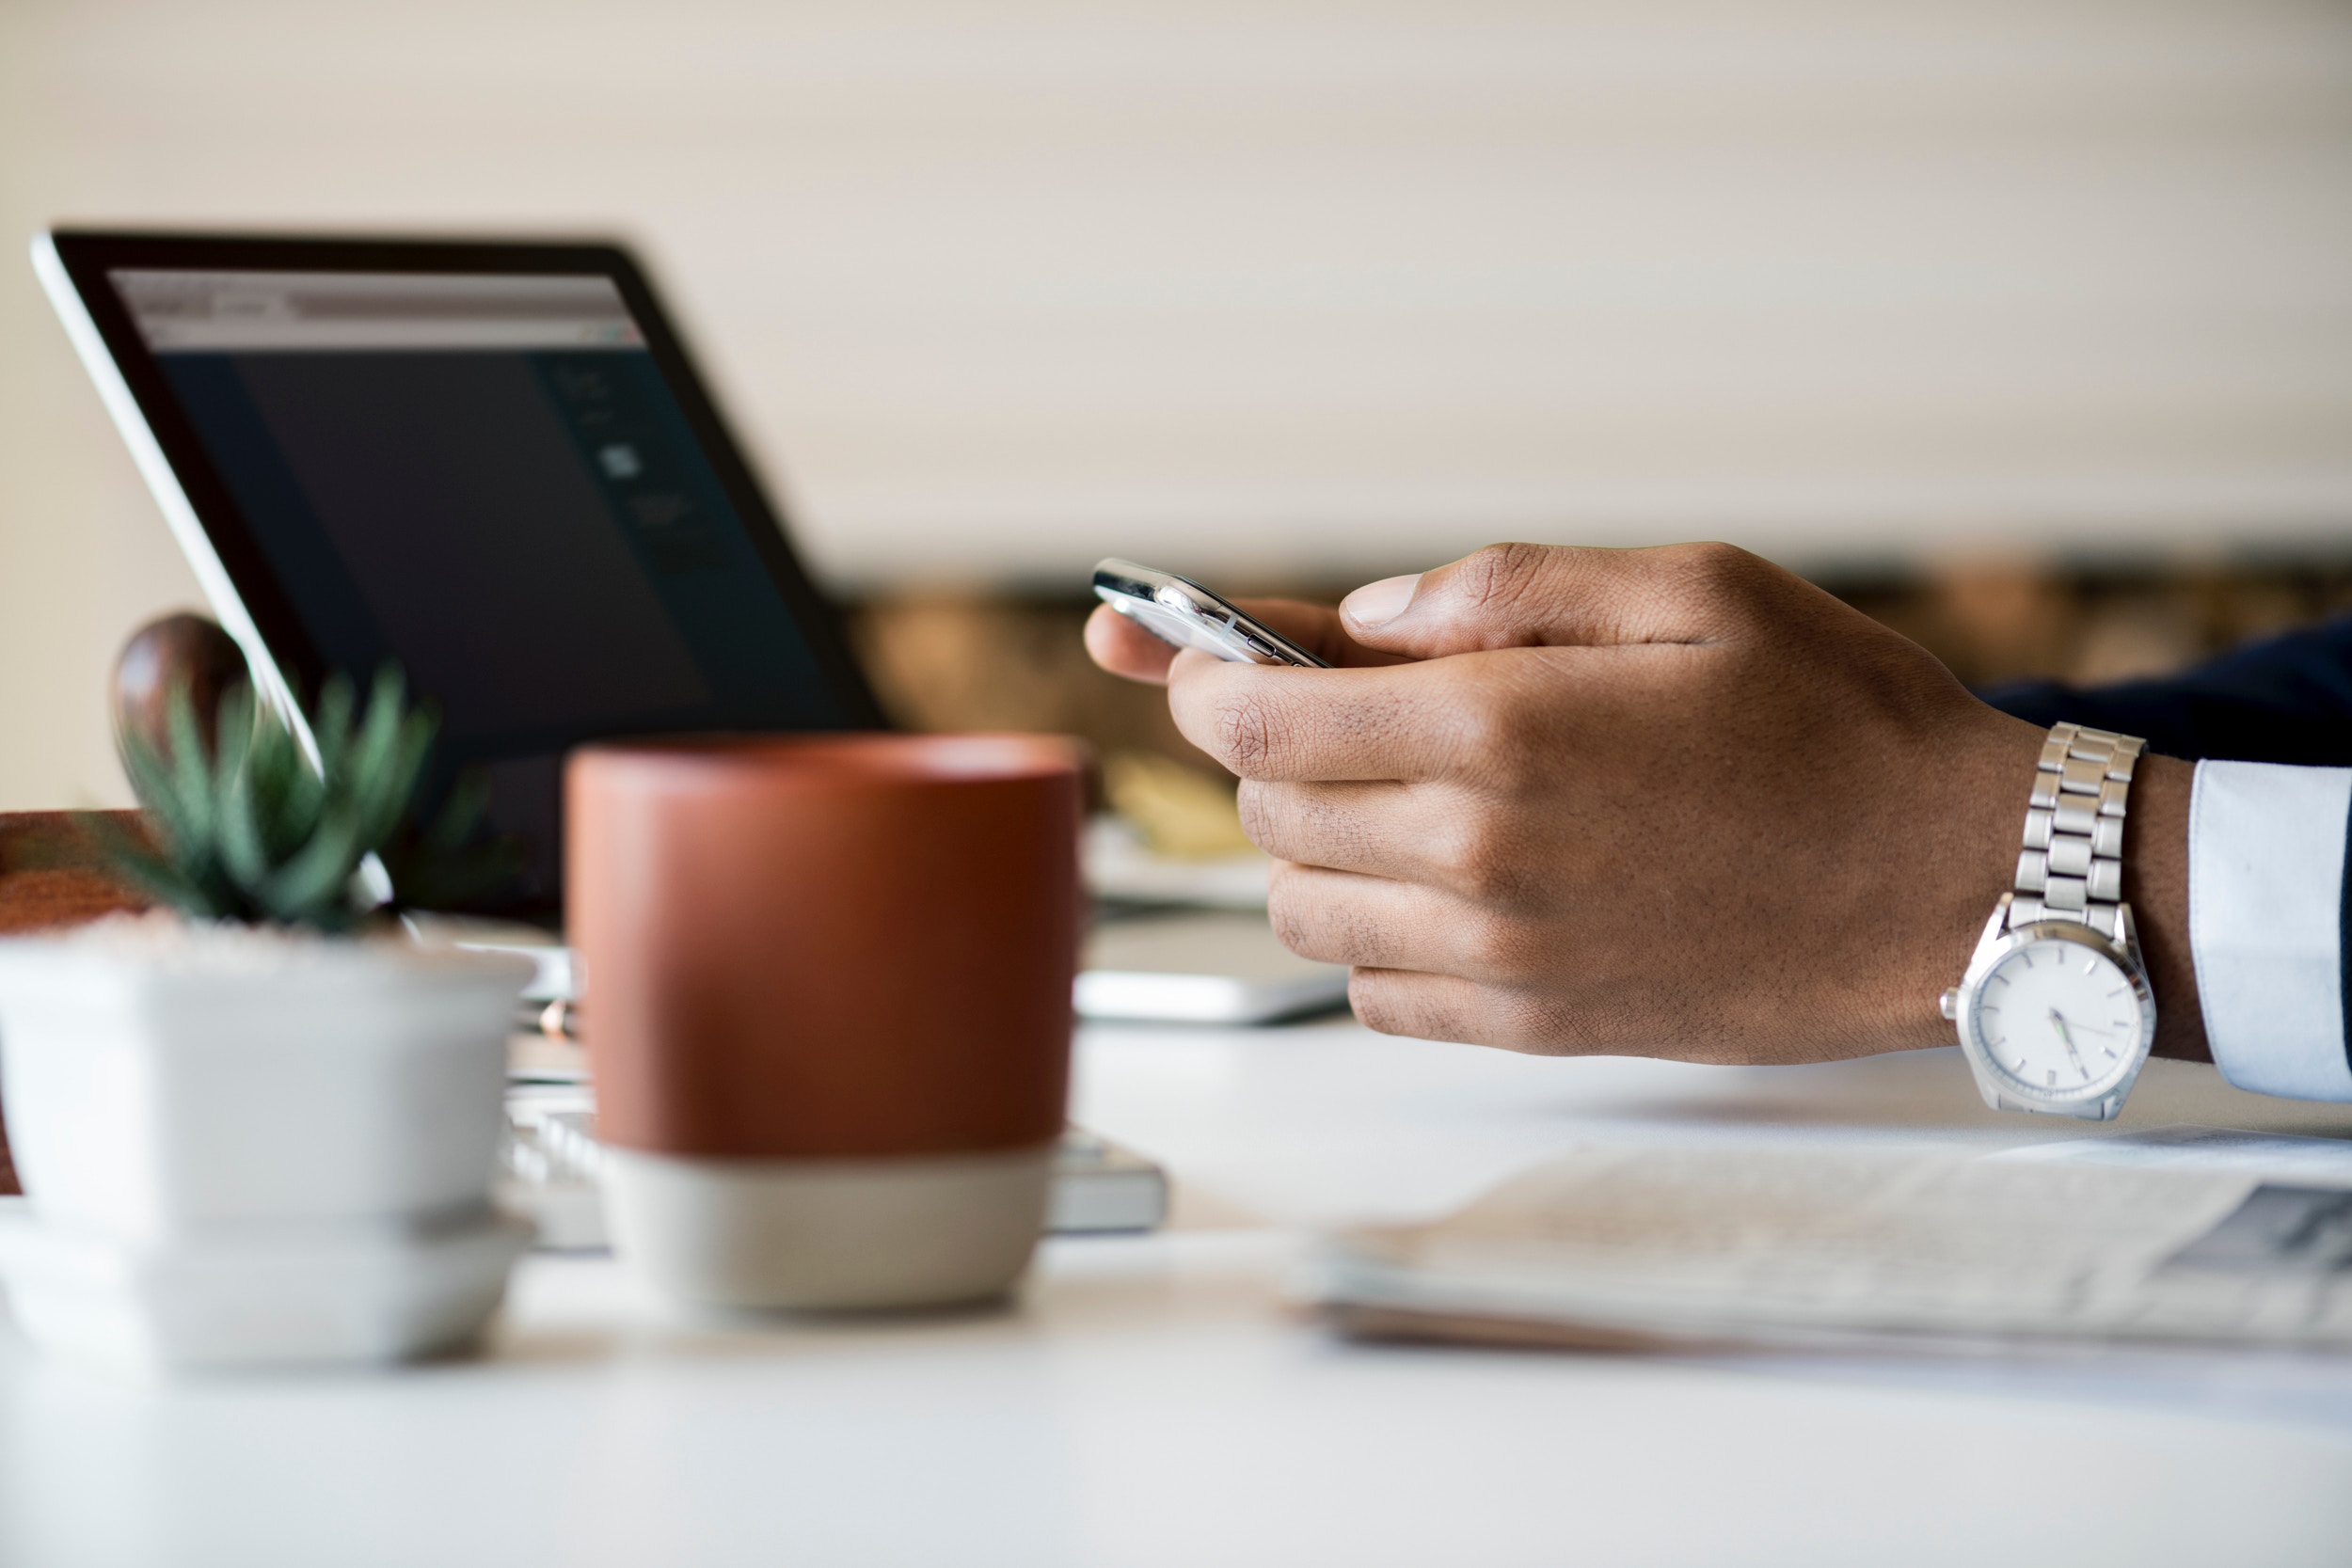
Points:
(1282, 724)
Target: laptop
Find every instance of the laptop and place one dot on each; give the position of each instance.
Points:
(494, 464)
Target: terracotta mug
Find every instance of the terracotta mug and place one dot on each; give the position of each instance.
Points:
(827, 1007)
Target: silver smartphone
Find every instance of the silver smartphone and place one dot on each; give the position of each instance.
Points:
(1180, 611)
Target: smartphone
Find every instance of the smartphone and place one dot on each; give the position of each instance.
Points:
(1177, 610)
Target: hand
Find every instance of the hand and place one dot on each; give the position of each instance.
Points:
(1662, 803)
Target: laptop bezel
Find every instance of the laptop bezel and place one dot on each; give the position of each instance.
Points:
(259, 612)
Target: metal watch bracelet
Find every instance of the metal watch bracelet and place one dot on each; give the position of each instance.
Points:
(2072, 866)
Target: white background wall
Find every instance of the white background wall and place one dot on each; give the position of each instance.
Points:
(1257, 286)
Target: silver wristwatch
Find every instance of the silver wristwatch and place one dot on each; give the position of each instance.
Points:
(2054, 1013)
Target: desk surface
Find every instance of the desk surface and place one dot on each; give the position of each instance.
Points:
(1154, 1400)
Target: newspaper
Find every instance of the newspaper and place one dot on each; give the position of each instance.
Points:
(1653, 1245)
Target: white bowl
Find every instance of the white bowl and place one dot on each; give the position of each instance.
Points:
(277, 1295)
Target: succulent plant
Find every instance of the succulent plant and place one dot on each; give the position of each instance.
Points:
(247, 828)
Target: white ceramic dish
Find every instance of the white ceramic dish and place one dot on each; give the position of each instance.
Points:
(276, 1295)
(252, 1146)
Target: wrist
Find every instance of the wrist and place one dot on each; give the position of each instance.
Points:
(2155, 883)
(2056, 1010)
(1984, 787)
(1977, 796)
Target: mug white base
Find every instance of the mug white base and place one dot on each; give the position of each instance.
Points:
(828, 1234)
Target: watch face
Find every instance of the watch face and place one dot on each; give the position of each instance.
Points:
(2060, 1018)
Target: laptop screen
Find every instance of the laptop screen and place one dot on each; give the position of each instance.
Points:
(487, 479)
(490, 463)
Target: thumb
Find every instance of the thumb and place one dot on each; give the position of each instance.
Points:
(1533, 596)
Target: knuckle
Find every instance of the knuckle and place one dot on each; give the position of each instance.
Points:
(1292, 913)
(1261, 817)
(1518, 1021)
(1459, 851)
(1296, 822)
(1311, 925)
(1501, 741)
(1246, 733)
(1487, 874)
(1499, 576)
(1485, 728)
(1724, 574)
(1500, 946)
(1716, 561)
(1383, 1003)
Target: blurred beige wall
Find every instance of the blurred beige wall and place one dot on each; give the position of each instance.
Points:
(1266, 286)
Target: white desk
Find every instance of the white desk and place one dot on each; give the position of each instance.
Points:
(1153, 1401)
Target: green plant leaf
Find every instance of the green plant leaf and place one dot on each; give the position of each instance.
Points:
(312, 889)
(151, 782)
(191, 788)
(243, 849)
(330, 726)
(256, 831)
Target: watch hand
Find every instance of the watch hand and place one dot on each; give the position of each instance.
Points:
(2058, 1021)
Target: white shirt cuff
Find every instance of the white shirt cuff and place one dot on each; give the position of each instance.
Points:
(2265, 923)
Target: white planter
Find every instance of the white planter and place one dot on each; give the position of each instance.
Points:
(249, 1147)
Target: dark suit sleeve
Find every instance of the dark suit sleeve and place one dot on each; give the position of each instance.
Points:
(2286, 700)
